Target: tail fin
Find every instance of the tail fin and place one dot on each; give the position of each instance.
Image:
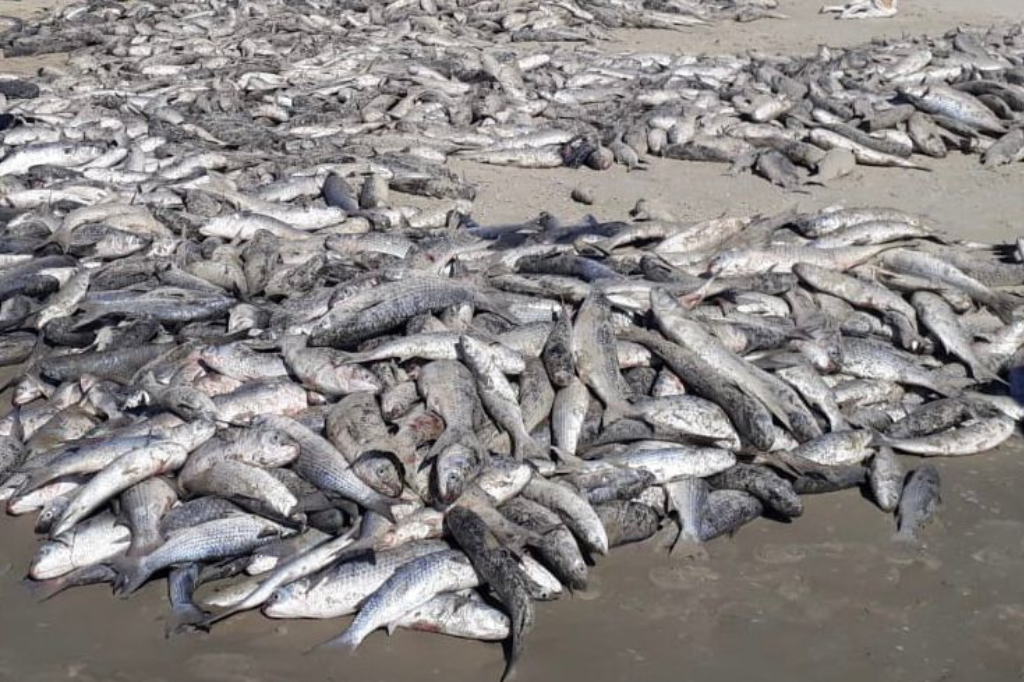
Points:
(687, 548)
(43, 590)
(1006, 307)
(184, 618)
(614, 411)
(521, 620)
(132, 573)
(346, 640)
(383, 506)
(905, 535)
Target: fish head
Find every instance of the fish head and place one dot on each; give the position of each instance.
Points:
(276, 449)
(53, 559)
(286, 601)
(380, 471)
(454, 468)
(51, 512)
(821, 357)
(724, 264)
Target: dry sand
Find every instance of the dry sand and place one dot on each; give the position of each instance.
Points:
(827, 598)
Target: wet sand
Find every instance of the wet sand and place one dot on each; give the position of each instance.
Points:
(828, 597)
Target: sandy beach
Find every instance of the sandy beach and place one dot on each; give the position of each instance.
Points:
(828, 597)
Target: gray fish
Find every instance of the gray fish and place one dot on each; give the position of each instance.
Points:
(98, 539)
(920, 500)
(775, 492)
(626, 521)
(573, 509)
(886, 479)
(218, 539)
(194, 512)
(321, 464)
(143, 506)
(499, 570)
(133, 467)
(750, 417)
(727, 511)
(449, 390)
(498, 397)
(936, 416)
(986, 431)
(929, 267)
(829, 479)
(596, 361)
(938, 318)
(556, 548)
(687, 500)
(411, 586)
(458, 615)
(117, 365)
(340, 589)
(558, 351)
(95, 574)
(185, 615)
(612, 484)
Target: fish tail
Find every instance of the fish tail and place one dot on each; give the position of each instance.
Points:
(905, 535)
(132, 573)
(686, 547)
(521, 621)
(498, 308)
(184, 618)
(350, 357)
(347, 641)
(35, 480)
(616, 410)
(878, 439)
(1006, 306)
(43, 590)
(566, 459)
(982, 372)
(383, 506)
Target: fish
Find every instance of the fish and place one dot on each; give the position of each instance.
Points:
(143, 505)
(497, 568)
(339, 589)
(127, 470)
(938, 318)
(886, 479)
(728, 510)
(977, 435)
(458, 615)
(98, 539)
(215, 539)
(185, 615)
(593, 345)
(626, 521)
(557, 548)
(919, 502)
(410, 587)
(774, 491)
(498, 397)
(687, 498)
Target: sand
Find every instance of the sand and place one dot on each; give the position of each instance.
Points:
(828, 597)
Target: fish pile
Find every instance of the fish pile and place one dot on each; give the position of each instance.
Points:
(416, 86)
(433, 428)
(242, 361)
